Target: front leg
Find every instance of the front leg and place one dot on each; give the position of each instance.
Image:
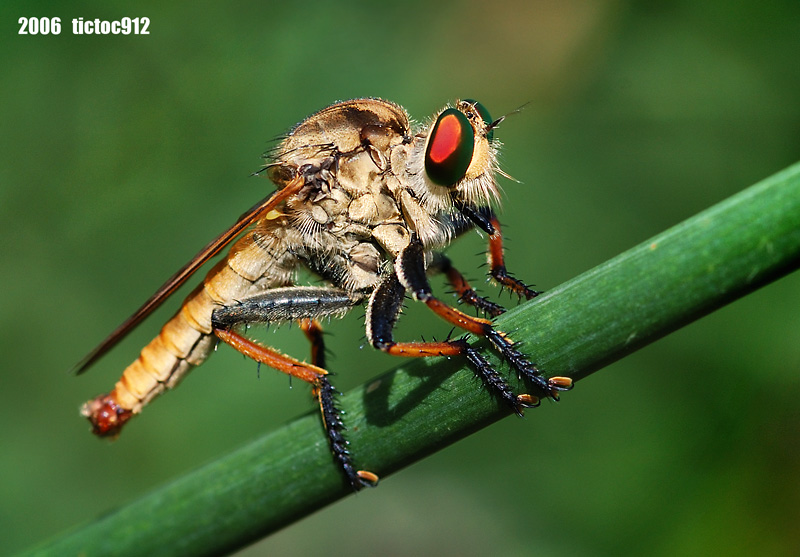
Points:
(411, 274)
(497, 265)
(485, 219)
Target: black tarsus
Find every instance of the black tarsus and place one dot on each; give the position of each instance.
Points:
(335, 428)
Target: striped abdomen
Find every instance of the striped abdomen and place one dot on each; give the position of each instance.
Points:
(257, 261)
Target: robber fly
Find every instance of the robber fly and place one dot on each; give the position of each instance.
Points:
(366, 201)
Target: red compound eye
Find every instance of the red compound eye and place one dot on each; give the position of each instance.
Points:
(450, 146)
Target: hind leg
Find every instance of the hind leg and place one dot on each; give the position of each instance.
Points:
(304, 304)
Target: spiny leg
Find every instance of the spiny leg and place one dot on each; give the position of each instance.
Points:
(410, 271)
(485, 219)
(497, 265)
(384, 307)
(441, 263)
(304, 304)
(331, 415)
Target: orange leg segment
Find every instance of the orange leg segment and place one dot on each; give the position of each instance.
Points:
(424, 349)
(274, 359)
(497, 266)
(313, 331)
(323, 391)
(410, 275)
(465, 291)
(474, 325)
(499, 339)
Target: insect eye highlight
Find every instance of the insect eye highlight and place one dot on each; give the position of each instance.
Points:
(450, 147)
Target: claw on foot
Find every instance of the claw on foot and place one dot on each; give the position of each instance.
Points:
(560, 383)
(526, 401)
(368, 479)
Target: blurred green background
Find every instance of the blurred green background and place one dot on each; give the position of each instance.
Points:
(122, 155)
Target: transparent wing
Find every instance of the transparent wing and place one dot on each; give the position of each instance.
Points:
(175, 281)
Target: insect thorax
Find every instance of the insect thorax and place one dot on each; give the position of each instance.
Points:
(365, 192)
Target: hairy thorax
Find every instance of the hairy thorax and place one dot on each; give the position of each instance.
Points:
(360, 206)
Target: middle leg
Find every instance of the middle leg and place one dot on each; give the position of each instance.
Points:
(411, 274)
(382, 311)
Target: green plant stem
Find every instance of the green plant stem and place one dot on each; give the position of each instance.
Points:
(691, 269)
